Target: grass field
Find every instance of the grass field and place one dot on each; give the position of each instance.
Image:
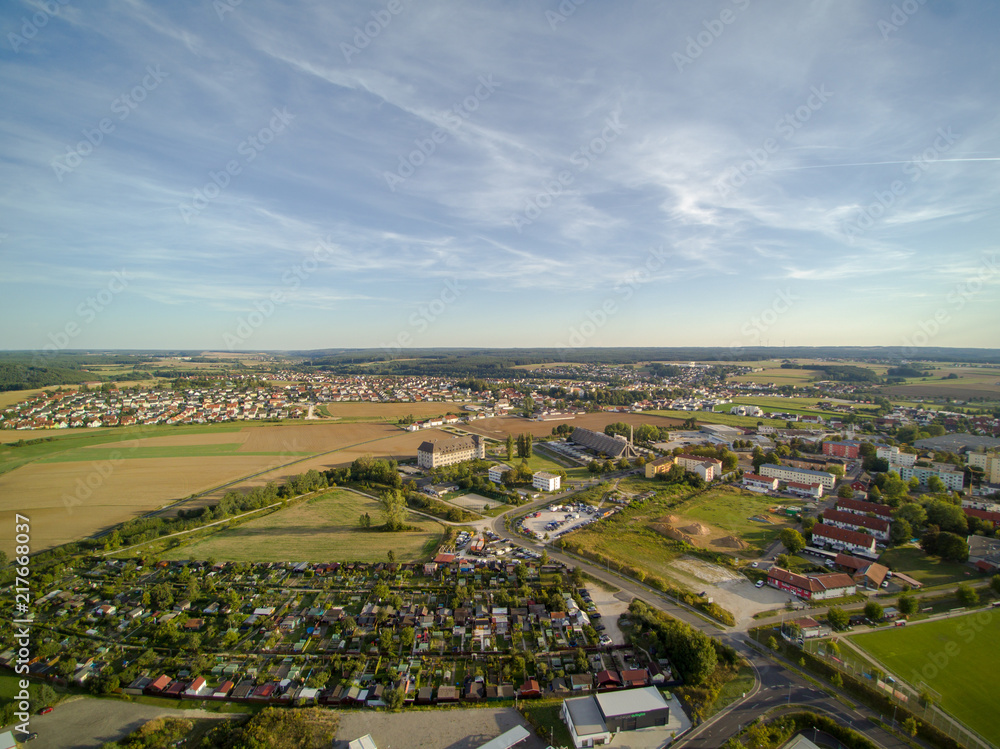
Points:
(543, 463)
(731, 511)
(956, 657)
(928, 570)
(709, 417)
(629, 538)
(324, 529)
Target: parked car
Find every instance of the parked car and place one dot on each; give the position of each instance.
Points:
(760, 584)
(45, 710)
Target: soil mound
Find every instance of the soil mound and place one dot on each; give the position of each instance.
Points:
(665, 529)
(731, 542)
(696, 529)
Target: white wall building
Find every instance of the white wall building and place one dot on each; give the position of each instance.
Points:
(546, 482)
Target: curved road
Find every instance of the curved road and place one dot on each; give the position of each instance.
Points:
(777, 686)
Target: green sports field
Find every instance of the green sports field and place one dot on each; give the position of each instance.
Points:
(957, 657)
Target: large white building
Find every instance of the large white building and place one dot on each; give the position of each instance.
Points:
(952, 479)
(596, 720)
(434, 454)
(495, 474)
(895, 457)
(990, 463)
(798, 475)
(546, 482)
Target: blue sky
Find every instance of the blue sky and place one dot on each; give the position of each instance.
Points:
(287, 175)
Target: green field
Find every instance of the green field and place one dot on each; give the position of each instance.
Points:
(539, 462)
(710, 417)
(958, 658)
(323, 529)
(70, 439)
(731, 511)
(628, 537)
(929, 570)
(159, 451)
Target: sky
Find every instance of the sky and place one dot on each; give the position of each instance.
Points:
(261, 175)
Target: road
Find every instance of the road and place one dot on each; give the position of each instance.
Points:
(777, 685)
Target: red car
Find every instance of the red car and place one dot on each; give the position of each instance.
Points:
(45, 710)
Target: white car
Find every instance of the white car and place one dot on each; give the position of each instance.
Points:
(604, 640)
(759, 584)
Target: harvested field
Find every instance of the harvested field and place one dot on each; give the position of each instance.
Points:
(322, 529)
(68, 501)
(313, 438)
(501, 426)
(396, 444)
(392, 412)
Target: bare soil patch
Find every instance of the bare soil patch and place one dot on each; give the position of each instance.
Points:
(501, 426)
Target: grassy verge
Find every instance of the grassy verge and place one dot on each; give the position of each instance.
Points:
(545, 716)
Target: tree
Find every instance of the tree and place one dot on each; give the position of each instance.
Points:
(837, 680)
(966, 595)
(393, 698)
(510, 447)
(995, 584)
(874, 611)
(391, 556)
(838, 618)
(947, 517)
(845, 491)
(907, 605)
(792, 540)
(936, 486)
(772, 642)
(911, 726)
(393, 509)
(900, 532)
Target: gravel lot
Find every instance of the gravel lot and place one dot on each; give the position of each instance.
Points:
(85, 723)
(611, 607)
(432, 729)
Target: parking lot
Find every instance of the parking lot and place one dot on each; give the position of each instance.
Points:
(557, 520)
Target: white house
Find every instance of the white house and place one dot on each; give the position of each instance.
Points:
(546, 482)
(495, 474)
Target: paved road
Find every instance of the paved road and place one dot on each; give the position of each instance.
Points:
(777, 684)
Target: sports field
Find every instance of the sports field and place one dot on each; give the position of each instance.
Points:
(323, 529)
(957, 657)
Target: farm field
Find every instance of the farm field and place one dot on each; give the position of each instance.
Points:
(970, 382)
(390, 412)
(69, 501)
(499, 427)
(956, 657)
(708, 417)
(392, 443)
(321, 529)
(160, 465)
(929, 570)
